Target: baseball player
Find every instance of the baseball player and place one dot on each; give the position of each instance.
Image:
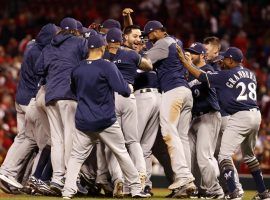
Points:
(147, 101)
(127, 61)
(56, 63)
(212, 46)
(145, 85)
(205, 126)
(29, 133)
(176, 105)
(95, 116)
(236, 89)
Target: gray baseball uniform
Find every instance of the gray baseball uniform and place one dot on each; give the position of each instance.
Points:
(203, 136)
(148, 103)
(126, 113)
(82, 146)
(224, 121)
(9, 161)
(175, 110)
(61, 117)
(204, 131)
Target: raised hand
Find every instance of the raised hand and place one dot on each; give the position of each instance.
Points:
(127, 11)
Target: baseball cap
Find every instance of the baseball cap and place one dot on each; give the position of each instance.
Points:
(87, 32)
(196, 48)
(151, 26)
(95, 41)
(234, 53)
(114, 35)
(79, 26)
(68, 23)
(111, 23)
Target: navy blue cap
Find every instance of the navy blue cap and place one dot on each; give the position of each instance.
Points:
(95, 41)
(151, 26)
(68, 23)
(234, 53)
(114, 35)
(196, 48)
(111, 23)
(79, 26)
(87, 32)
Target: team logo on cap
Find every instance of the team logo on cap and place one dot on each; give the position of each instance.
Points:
(193, 45)
(87, 35)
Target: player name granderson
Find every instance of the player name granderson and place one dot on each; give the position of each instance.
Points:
(239, 75)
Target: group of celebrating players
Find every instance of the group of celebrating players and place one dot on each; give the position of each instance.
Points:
(93, 105)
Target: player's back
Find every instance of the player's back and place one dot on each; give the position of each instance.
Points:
(236, 89)
(92, 83)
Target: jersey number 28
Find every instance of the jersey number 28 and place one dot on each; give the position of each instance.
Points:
(247, 91)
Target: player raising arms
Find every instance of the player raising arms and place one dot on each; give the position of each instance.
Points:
(236, 89)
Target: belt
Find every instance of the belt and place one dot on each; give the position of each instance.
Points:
(254, 109)
(202, 113)
(148, 90)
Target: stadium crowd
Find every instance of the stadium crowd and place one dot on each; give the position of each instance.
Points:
(238, 23)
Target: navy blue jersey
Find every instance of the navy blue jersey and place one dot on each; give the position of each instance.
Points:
(28, 82)
(94, 83)
(145, 80)
(217, 67)
(127, 61)
(56, 62)
(205, 98)
(170, 71)
(236, 88)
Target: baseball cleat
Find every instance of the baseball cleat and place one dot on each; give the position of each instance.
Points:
(179, 183)
(32, 181)
(265, 196)
(5, 187)
(185, 191)
(56, 188)
(107, 188)
(44, 188)
(235, 195)
(140, 195)
(82, 190)
(148, 190)
(11, 181)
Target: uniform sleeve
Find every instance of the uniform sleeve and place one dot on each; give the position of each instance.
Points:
(116, 80)
(214, 79)
(158, 52)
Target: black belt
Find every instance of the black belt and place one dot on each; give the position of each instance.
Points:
(202, 113)
(148, 90)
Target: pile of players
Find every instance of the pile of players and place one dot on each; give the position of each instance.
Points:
(93, 105)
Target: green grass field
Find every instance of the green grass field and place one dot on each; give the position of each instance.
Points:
(158, 194)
